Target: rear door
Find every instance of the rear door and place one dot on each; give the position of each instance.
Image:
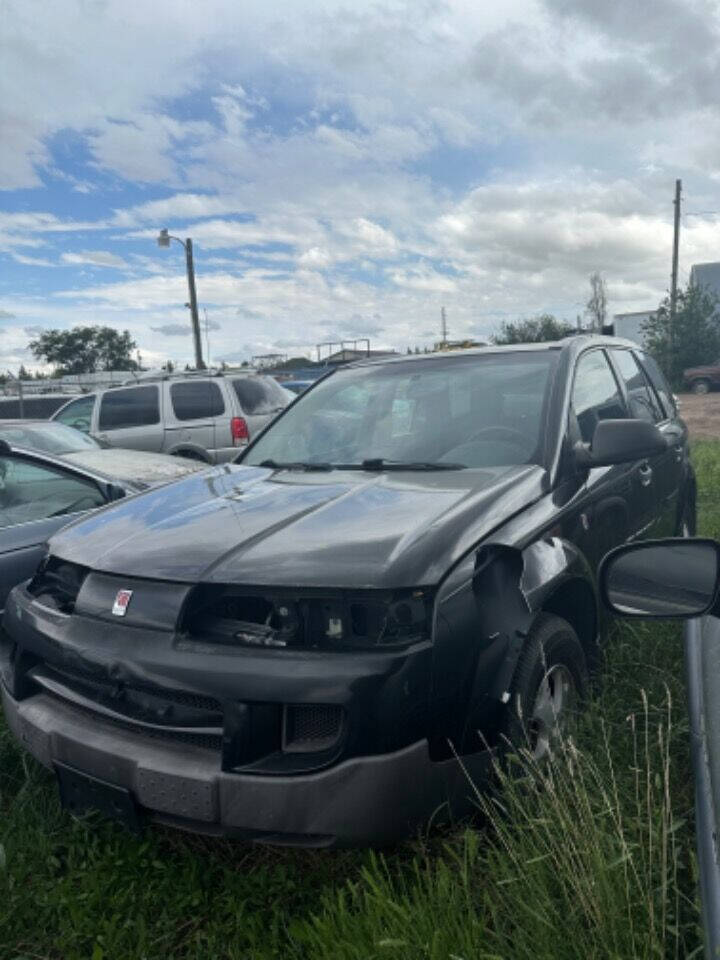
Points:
(36, 500)
(194, 415)
(260, 399)
(675, 463)
(131, 417)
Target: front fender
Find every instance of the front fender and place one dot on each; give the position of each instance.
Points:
(484, 612)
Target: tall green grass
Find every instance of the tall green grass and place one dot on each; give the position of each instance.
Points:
(591, 856)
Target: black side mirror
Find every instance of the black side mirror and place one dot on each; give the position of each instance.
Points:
(620, 441)
(656, 579)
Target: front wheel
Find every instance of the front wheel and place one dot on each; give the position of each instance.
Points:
(549, 685)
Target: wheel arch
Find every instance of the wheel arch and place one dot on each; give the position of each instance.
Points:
(191, 450)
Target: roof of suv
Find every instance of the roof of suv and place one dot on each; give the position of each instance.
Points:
(574, 342)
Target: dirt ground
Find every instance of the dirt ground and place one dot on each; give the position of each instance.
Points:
(701, 414)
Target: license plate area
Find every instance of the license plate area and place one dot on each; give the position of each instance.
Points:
(81, 793)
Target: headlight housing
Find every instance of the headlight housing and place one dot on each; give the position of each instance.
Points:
(338, 620)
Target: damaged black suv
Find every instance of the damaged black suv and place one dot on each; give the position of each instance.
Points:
(324, 642)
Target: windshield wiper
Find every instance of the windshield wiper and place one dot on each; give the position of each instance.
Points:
(380, 463)
(296, 465)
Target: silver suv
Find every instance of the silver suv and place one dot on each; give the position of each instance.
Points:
(204, 417)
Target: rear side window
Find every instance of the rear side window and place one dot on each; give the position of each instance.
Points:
(659, 382)
(259, 395)
(196, 400)
(78, 414)
(595, 394)
(641, 398)
(135, 407)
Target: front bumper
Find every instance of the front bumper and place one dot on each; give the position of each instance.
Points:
(362, 801)
(93, 695)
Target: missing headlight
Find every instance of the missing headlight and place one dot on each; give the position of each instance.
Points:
(346, 620)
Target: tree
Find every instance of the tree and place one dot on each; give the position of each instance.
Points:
(85, 349)
(691, 340)
(538, 330)
(596, 307)
(23, 374)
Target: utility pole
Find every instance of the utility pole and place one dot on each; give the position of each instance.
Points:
(676, 248)
(443, 319)
(163, 240)
(193, 304)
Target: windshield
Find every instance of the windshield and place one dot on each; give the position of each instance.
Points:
(47, 437)
(475, 411)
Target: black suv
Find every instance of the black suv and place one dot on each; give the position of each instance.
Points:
(326, 641)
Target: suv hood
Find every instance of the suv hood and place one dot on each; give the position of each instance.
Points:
(256, 526)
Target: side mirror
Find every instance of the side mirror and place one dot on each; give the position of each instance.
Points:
(655, 579)
(620, 441)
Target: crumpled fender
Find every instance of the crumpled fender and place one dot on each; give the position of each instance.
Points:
(484, 612)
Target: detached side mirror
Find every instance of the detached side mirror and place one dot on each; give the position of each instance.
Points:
(661, 579)
(620, 441)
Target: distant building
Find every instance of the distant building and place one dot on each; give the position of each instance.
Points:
(457, 345)
(629, 325)
(706, 275)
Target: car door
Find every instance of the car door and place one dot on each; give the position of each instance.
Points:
(78, 413)
(37, 498)
(675, 464)
(131, 417)
(619, 502)
(193, 415)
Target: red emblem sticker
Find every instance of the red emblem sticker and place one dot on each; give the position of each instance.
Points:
(122, 601)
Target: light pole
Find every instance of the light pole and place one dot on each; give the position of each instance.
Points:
(163, 240)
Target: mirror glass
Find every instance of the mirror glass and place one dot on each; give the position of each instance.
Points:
(675, 579)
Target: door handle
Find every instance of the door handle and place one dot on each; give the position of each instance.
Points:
(645, 473)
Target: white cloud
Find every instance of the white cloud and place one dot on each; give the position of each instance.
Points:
(95, 258)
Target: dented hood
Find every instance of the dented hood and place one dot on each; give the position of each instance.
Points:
(250, 525)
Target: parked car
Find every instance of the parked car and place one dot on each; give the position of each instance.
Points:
(678, 579)
(202, 417)
(326, 642)
(40, 493)
(297, 386)
(33, 405)
(703, 379)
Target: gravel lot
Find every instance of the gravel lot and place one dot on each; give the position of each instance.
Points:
(702, 414)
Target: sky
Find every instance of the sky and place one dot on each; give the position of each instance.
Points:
(345, 170)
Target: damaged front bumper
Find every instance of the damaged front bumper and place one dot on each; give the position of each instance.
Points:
(221, 741)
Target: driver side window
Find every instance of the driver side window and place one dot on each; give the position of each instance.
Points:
(78, 414)
(595, 395)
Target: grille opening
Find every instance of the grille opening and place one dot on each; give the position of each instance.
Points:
(311, 727)
(57, 584)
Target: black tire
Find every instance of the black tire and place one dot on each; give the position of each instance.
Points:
(700, 386)
(551, 650)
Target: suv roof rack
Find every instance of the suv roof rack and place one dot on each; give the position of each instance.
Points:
(188, 375)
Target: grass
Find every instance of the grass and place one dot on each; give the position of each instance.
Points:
(591, 857)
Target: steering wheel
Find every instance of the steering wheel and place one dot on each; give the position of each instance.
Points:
(75, 506)
(506, 434)
(82, 424)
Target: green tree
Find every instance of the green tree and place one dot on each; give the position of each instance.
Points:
(692, 339)
(537, 330)
(85, 349)
(24, 374)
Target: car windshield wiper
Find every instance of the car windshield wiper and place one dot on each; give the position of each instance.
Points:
(296, 465)
(380, 463)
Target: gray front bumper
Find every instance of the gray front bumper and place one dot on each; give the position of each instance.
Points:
(365, 800)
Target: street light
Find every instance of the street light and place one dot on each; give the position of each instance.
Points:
(163, 240)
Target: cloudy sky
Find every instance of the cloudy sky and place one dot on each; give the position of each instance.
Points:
(346, 169)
